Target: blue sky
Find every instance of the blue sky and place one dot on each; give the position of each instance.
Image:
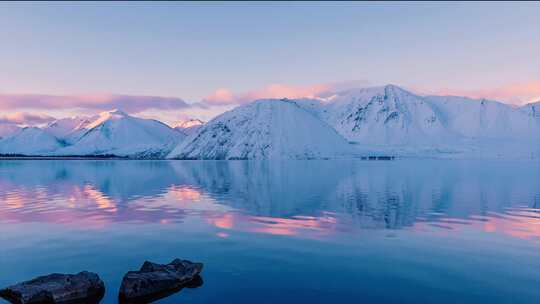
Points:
(189, 50)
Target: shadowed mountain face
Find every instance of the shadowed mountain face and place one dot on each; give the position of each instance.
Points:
(384, 115)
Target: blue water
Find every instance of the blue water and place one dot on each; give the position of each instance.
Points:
(422, 231)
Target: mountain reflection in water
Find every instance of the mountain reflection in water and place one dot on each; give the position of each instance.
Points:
(307, 199)
(404, 231)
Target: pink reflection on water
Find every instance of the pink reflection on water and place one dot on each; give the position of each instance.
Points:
(523, 223)
(305, 226)
(222, 235)
(185, 193)
(102, 201)
(86, 206)
(225, 221)
(72, 204)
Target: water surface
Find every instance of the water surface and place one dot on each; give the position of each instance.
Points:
(406, 231)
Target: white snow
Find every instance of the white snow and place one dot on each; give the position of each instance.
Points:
(7, 129)
(29, 141)
(483, 119)
(189, 126)
(532, 110)
(264, 129)
(391, 120)
(385, 115)
(116, 133)
(70, 129)
(385, 120)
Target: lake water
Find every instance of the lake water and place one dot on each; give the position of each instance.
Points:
(404, 231)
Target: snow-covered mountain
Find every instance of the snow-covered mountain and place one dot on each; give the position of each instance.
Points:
(30, 141)
(70, 129)
(482, 119)
(189, 126)
(381, 116)
(370, 121)
(390, 119)
(264, 129)
(117, 133)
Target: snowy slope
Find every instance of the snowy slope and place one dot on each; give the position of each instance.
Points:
(189, 126)
(482, 119)
(392, 120)
(7, 130)
(116, 133)
(70, 129)
(62, 127)
(385, 115)
(29, 141)
(264, 129)
(532, 110)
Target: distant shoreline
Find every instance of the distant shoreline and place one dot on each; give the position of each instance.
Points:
(65, 158)
(22, 157)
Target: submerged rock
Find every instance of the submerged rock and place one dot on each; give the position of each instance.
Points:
(154, 281)
(84, 287)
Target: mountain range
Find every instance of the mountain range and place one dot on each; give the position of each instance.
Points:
(386, 120)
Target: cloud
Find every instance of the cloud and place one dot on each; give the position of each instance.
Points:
(221, 96)
(514, 93)
(128, 103)
(197, 110)
(21, 118)
(225, 96)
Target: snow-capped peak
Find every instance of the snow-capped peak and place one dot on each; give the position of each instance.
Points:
(63, 127)
(388, 89)
(117, 133)
(115, 114)
(188, 123)
(266, 128)
(189, 126)
(381, 115)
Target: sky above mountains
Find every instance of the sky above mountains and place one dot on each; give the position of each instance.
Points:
(175, 60)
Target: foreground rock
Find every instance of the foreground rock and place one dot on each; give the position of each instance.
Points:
(154, 281)
(84, 287)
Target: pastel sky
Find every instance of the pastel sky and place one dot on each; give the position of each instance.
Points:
(158, 59)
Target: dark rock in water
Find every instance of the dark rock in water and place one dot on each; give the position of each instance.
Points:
(84, 287)
(195, 283)
(155, 281)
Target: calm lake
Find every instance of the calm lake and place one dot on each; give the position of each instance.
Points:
(404, 231)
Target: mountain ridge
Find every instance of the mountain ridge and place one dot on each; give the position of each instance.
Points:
(375, 120)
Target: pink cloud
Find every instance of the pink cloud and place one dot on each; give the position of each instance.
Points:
(514, 93)
(129, 103)
(226, 96)
(221, 96)
(21, 118)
